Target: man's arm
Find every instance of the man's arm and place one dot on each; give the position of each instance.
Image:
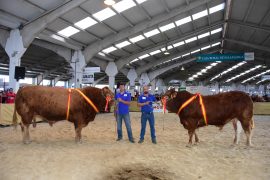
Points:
(143, 104)
(122, 101)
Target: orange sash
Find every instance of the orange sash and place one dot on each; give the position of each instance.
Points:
(201, 103)
(84, 96)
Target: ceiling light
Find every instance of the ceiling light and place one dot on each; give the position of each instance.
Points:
(178, 44)
(69, 31)
(102, 54)
(217, 8)
(109, 2)
(185, 55)
(182, 69)
(124, 5)
(195, 51)
(216, 30)
(140, 1)
(123, 44)
(137, 38)
(86, 22)
(183, 21)
(203, 35)
(155, 52)
(191, 39)
(199, 14)
(167, 27)
(108, 50)
(215, 44)
(144, 56)
(206, 47)
(104, 14)
(134, 60)
(151, 33)
(166, 53)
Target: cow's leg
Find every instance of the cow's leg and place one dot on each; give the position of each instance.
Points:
(196, 138)
(247, 126)
(237, 130)
(78, 129)
(190, 133)
(26, 135)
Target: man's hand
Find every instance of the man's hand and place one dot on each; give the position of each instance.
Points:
(119, 100)
(147, 102)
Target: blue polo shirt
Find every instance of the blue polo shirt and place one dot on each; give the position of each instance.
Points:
(148, 107)
(123, 108)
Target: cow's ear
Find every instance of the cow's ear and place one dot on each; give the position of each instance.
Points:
(106, 91)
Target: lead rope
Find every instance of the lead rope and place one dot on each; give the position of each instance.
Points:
(164, 101)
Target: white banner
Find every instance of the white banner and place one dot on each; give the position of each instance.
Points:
(88, 78)
(91, 69)
(265, 77)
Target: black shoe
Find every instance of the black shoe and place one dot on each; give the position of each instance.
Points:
(154, 141)
(132, 141)
(140, 141)
(118, 139)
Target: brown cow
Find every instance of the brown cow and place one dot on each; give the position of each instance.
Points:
(220, 109)
(51, 104)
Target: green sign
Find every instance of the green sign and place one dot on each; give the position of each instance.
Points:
(225, 57)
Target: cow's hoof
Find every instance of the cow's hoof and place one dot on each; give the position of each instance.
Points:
(189, 145)
(27, 142)
(79, 141)
(197, 143)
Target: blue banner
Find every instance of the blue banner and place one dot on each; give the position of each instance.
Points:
(225, 57)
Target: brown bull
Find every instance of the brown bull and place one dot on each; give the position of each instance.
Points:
(220, 109)
(52, 105)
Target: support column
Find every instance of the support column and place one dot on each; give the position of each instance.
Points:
(161, 86)
(111, 71)
(77, 63)
(153, 86)
(15, 50)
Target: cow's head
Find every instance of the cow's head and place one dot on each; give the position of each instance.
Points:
(167, 99)
(109, 96)
(170, 94)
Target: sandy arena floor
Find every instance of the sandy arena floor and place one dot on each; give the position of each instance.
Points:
(53, 154)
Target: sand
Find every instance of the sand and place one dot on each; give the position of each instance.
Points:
(53, 154)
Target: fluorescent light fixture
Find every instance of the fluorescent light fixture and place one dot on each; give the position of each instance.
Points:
(199, 73)
(183, 21)
(122, 44)
(176, 58)
(200, 14)
(185, 55)
(109, 49)
(203, 35)
(123, 5)
(190, 79)
(191, 39)
(101, 53)
(192, 52)
(69, 31)
(134, 60)
(140, 1)
(144, 56)
(137, 38)
(178, 44)
(155, 52)
(208, 67)
(4, 68)
(195, 76)
(167, 27)
(169, 47)
(217, 8)
(166, 52)
(151, 33)
(216, 31)
(205, 47)
(86, 22)
(243, 73)
(213, 64)
(59, 38)
(203, 70)
(104, 14)
(109, 2)
(215, 44)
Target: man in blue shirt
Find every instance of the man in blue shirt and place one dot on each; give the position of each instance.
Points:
(123, 99)
(145, 101)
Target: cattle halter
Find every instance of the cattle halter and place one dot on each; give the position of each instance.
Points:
(84, 96)
(201, 104)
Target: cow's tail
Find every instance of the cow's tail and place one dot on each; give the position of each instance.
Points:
(15, 119)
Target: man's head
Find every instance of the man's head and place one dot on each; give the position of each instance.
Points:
(145, 89)
(122, 87)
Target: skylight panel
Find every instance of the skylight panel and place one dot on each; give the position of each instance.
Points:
(183, 21)
(191, 39)
(151, 33)
(200, 14)
(155, 52)
(137, 38)
(86, 22)
(104, 14)
(59, 38)
(123, 5)
(217, 8)
(216, 30)
(185, 55)
(102, 54)
(215, 44)
(123, 44)
(140, 1)
(69, 31)
(243, 73)
(109, 49)
(170, 47)
(205, 47)
(134, 60)
(144, 56)
(198, 50)
(178, 44)
(167, 27)
(204, 35)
